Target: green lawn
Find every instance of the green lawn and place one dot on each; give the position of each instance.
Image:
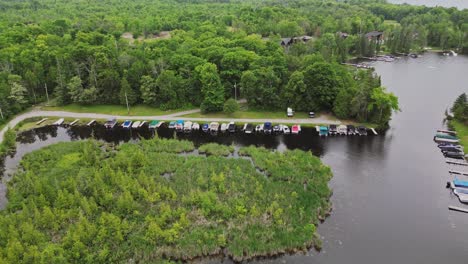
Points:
(462, 133)
(137, 110)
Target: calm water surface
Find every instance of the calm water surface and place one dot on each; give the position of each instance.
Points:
(460, 4)
(389, 196)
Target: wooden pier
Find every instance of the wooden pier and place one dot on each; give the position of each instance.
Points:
(464, 173)
(460, 163)
(41, 121)
(59, 122)
(91, 122)
(74, 122)
(458, 209)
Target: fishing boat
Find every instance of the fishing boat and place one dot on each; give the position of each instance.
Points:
(323, 131)
(160, 124)
(248, 128)
(179, 125)
(267, 128)
(454, 155)
(342, 130)
(451, 149)
(214, 127)
(295, 129)
(172, 124)
(460, 183)
(445, 135)
(232, 127)
(188, 127)
(454, 133)
(127, 124)
(153, 124)
(286, 129)
(332, 130)
(196, 126)
(445, 140)
(136, 124)
(59, 122)
(276, 129)
(223, 127)
(110, 123)
(206, 128)
(351, 130)
(259, 128)
(362, 130)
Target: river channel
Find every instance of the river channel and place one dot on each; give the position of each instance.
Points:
(389, 196)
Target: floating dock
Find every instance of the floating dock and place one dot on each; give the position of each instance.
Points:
(461, 162)
(91, 122)
(465, 173)
(41, 121)
(458, 209)
(74, 122)
(59, 122)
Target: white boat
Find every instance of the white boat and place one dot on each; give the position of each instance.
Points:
(248, 128)
(195, 126)
(285, 129)
(214, 127)
(159, 124)
(342, 130)
(461, 193)
(136, 124)
(259, 128)
(224, 127)
(59, 122)
(143, 123)
(447, 140)
(187, 126)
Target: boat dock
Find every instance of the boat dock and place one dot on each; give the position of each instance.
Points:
(91, 122)
(464, 173)
(460, 162)
(458, 209)
(41, 121)
(59, 122)
(359, 65)
(74, 122)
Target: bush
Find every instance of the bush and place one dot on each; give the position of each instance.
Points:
(231, 106)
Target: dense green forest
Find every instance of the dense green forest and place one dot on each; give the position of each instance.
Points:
(170, 54)
(460, 109)
(84, 202)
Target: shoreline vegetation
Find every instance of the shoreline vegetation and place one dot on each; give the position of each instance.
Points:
(458, 119)
(89, 201)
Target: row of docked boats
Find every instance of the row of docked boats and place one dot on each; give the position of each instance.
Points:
(448, 143)
(342, 130)
(213, 127)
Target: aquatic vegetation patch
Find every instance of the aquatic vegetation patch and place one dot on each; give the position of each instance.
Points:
(76, 202)
(216, 149)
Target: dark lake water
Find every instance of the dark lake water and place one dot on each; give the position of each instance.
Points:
(461, 4)
(389, 196)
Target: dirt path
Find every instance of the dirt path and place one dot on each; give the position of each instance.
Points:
(41, 113)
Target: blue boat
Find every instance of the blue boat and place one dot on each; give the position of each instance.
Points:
(459, 183)
(323, 131)
(267, 128)
(127, 124)
(179, 126)
(172, 124)
(205, 128)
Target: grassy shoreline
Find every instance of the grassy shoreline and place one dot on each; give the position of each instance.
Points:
(462, 133)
